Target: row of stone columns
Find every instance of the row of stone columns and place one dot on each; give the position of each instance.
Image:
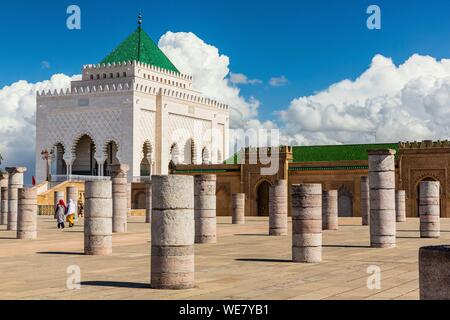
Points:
(18, 204)
(15, 181)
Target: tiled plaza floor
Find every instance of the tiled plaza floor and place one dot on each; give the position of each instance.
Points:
(245, 264)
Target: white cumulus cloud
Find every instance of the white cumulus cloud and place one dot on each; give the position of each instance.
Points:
(278, 81)
(209, 69)
(386, 103)
(240, 78)
(17, 119)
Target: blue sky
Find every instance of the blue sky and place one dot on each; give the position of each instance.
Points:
(313, 43)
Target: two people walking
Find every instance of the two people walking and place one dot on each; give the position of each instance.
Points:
(66, 213)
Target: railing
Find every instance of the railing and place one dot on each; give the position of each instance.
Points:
(62, 178)
(46, 210)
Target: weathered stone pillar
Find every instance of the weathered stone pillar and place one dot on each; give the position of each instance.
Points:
(400, 205)
(278, 208)
(365, 201)
(4, 197)
(15, 181)
(330, 220)
(307, 223)
(434, 273)
(4, 205)
(205, 208)
(119, 197)
(172, 232)
(58, 195)
(429, 209)
(148, 202)
(98, 218)
(238, 207)
(72, 193)
(129, 196)
(382, 198)
(27, 214)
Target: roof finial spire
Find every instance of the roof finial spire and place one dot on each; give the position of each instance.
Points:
(140, 19)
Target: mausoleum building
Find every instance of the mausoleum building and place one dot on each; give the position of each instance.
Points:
(134, 107)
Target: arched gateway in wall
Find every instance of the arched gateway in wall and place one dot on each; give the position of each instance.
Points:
(262, 198)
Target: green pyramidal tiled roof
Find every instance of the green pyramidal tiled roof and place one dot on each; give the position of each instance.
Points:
(337, 152)
(140, 47)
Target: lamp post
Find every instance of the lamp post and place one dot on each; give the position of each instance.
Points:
(47, 156)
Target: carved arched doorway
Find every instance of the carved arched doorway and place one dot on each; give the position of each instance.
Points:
(345, 202)
(262, 199)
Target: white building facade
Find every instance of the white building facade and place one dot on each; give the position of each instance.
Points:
(134, 108)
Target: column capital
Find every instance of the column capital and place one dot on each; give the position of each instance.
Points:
(14, 170)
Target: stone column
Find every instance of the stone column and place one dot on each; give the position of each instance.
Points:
(382, 198)
(238, 207)
(15, 181)
(434, 273)
(400, 205)
(4, 197)
(330, 219)
(307, 223)
(4, 206)
(58, 195)
(172, 232)
(98, 218)
(27, 214)
(129, 189)
(429, 209)
(278, 208)
(365, 201)
(148, 202)
(119, 197)
(72, 193)
(205, 208)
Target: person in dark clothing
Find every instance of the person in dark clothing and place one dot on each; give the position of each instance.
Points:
(60, 211)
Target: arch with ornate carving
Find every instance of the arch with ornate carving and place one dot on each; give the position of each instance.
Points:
(58, 164)
(190, 152)
(78, 137)
(84, 160)
(111, 156)
(205, 155)
(261, 197)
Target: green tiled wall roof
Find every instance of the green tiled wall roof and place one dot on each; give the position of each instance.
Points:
(337, 152)
(329, 153)
(140, 47)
